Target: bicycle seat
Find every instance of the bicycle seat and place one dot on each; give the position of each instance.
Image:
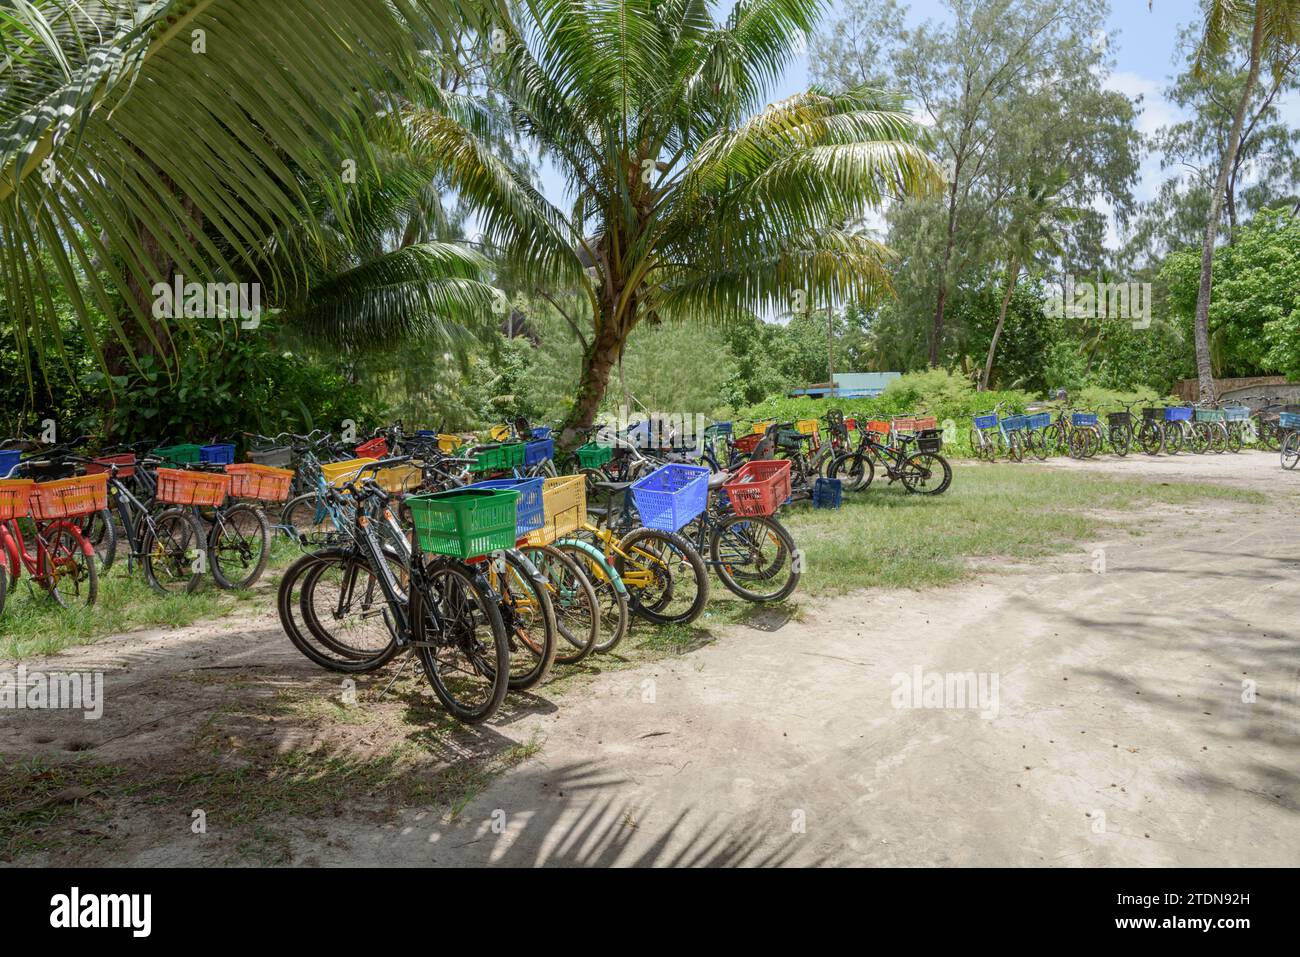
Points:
(717, 480)
(611, 487)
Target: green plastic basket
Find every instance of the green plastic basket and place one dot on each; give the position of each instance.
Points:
(499, 458)
(465, 522)
(179, 454)
(1210, 415)
(593, 456)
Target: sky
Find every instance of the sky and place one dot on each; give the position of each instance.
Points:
(1141, 47)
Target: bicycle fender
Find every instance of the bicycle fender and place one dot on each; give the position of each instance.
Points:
(597, 556)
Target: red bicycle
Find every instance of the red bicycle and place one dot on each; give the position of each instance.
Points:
(58, 557)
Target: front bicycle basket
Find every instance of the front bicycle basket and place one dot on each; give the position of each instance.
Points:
(593, 455)
(179, 454)
(1083, 419)
(989, 421)
(1210, 415)
(178, 487)
(1153, 415)
(538, 451)
(338, 474)
(277, 458)
(70, 497)
(759, 488)
(1236, 413)
(1178, 413)
(260, 482)
(1014, 423)
(499, 458)
(747, 443)
(1289, 420)
(465, 522)
(221, 454)
(564, 509)
(669, 498)
(15, 499)
(789, 439)
(530, 514)
(1119, 418)
(1039, 420)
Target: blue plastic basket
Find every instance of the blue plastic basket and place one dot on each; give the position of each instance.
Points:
(670, 497)
(1083, 419)
(542, 432)
(217, 454)
(1289, 420)
(1039, 420)
(1178, 413)
(827, 493)
(1236, 413)
(531, 515)
(989, 421)
(538, 451)
(1014, 423)
(8, 462)
(425, 433)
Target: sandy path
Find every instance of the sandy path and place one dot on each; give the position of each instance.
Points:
(1119, 734)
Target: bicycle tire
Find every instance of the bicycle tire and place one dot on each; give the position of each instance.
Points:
(1151, 438)
(64, 547)
(184, 540)
(461, 634)
(220, 543)
(101, 532)
(855, 470)
(531, 637)
(345, 653)
(577, 609)
(919, 469)
(654, 610)
(1290, 451)
(615, 614)
(732, 582)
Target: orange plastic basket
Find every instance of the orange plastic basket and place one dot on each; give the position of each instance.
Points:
(15, 499)
(179, 487)
(261, 482)
(125, 465)
(913, 424)
(879, 427)
(759, 488)
(70, 497)
(851, 425)
(747, 443)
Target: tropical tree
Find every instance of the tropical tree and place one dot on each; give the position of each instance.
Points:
(1037, 212)
(689, 197)
(1274, 27)
(143, 139)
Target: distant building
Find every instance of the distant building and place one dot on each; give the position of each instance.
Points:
(849, 385)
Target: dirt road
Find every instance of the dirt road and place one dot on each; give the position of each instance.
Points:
(1132, 702)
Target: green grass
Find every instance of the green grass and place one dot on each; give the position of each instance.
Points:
(32, 624)
(886, 538)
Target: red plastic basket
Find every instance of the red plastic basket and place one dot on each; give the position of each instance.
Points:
(70, 497)
(747, 443)
(179, 487)
(374, 449)
(125, 465)
(15, 499)
(261, 482)
(759, 488)
(878, 427)
(851, 425)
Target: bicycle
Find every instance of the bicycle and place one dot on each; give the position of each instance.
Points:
(58, 557)
(924, 472)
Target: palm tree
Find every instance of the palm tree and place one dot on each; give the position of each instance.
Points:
(1274, 27)
(689, 198)
(1036, 213)
(141, 139)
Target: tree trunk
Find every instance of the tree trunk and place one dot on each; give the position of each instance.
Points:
(1204, 368)
(605, 353)
(936, 329)
(1013, 274)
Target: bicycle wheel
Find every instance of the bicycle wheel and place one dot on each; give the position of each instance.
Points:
(854, 469)
(1234, 437)
(1174, 438)
(615, 615)
(310, 520)
(755, 557)
(1291, 450)
(239, 547)
(4, 582)
(528, 616)
(577, 609)
(1120, 437)
(666, 578)
(343, 608)
(1150, 438)
(926, 473)
(1015, 451)
(464, 650)
(170, 549)
(1035, 446)
(100, 531)
(67, 570)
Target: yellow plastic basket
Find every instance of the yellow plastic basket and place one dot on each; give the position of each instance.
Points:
(761, 427)
(808, 426)
(338, 473)
(400, 478)
(499, 433)
(564, 502)
(449, 443)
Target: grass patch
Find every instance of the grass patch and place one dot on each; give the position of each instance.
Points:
(886, 538)
(32, 624)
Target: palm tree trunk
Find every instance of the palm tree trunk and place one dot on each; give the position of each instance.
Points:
(1204, 368)
(1013, 274)
(604, 355)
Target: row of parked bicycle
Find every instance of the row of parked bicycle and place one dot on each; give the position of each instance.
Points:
(1167, 429)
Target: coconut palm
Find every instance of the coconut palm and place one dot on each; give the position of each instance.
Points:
(1274, 28)
(141, 139)
(688, 197)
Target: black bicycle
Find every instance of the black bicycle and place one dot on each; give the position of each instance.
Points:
(922, 472)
